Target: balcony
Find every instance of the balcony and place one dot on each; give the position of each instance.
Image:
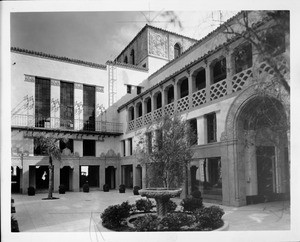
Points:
(198, 98)
(40, 123)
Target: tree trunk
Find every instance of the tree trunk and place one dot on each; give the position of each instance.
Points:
(50, 190)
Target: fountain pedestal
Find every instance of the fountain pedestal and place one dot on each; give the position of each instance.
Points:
(161, 196)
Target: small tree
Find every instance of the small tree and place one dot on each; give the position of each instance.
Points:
(49, 146)
(166, 158)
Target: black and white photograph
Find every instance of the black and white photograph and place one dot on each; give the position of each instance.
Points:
(152, 121)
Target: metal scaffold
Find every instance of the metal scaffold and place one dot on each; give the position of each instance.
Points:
(112, 78)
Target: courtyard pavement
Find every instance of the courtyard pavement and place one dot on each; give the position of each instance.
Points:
(80, 212)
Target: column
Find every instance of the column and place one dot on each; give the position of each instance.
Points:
(134, 175)
(250, 163)
(56, 176)
(144, 182)
(78, 106)
(55, 103)
(175, 95)
(201, 130)
(118, 175)
(208, 81)
(76, 175)
(230, 70)
(102, 174)
(25, 176)
(190, 84)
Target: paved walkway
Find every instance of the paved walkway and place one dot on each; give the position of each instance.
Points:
(80, 212)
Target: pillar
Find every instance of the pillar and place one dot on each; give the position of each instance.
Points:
(102, 175)
(250, 163)
(175, 95)
(25, 176)
(134, 174)
(78, 106)
(56, 176)
(230, 70)
(201, 130)
(76, 175)
(190, 86)
(208, 81)
(144, 181)
(55, 103)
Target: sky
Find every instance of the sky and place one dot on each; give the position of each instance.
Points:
(100, 36)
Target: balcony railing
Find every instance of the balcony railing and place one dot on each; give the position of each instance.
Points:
(23, 120)
(196, 99)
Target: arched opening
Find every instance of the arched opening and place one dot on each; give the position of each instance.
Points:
(66, 177)
(131, 113)
(177, 50)
(125, 59)
(132, 60)
(157, 100)
(263, 150)
(219, 71)
(183, 85)
(199, 80)
(169, 91)
(139, 110)
(148, 105)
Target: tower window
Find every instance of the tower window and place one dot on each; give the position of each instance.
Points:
(177, 50)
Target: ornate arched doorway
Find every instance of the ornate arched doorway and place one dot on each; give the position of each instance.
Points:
(255, 150)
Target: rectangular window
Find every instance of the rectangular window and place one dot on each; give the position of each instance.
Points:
(211, 127)
(67, 105)
(130, 146)
(89, 108)
(42, 102)
(89, 148)
(128, 88)
(193, 126)
(138, 90)
(66, 147)
(123, 147)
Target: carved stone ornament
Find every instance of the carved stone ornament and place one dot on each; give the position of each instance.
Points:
(78, 86)
(55, 82)
(99, 89)
(158, 44)
(29, 78)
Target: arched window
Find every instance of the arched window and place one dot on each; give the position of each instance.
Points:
(132, 57)
(177, 50)
(125, 59)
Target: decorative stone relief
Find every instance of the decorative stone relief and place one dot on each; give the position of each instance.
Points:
(99, 89)
(78, 86)
(55, 82)
(158, 44)
(29, 78)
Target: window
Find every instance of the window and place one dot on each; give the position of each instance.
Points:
(130, 146)
(128, 88)
(37, 149)
(89, 107)
(138, 90)
(177, 50)
(170, 95)
(89, 148)
(131, 113)
(158, 101)
(219, 70)
(67, 105)
(184, 88)
(139, 110)
(199, 80)
(211, 122)
(125, 59)
(68, 145)
(145, 65)
(123, 147)
(193, 126)
(42, 103)
(132, 61)
(243, 58)
(148, 105)
(149, 142)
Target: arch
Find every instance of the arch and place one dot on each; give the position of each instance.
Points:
(148, 107)
(169, 94)
(157, 100)
(218, 70)
(198, 79)
(177, 50)
(183, 87)
(131, 113)
(139, 109)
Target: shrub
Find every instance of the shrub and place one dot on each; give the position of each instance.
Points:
(14, 225)
(113, 216)
(191, 204)
(136, 190)
(106, 188)
(171, 206)
(149, 222)
(196, 194)
(174, 221)
(86, 187)
(62, 189)
(122, 188)
(31, 191)
(143, 205)
(209, 217)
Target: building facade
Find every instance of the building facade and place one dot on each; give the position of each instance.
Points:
(240, 156)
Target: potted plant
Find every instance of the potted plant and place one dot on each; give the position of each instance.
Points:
(86, 187)
(136, 190)
(106, 188)
(62, 189)
(122, 188)
(31, 191)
